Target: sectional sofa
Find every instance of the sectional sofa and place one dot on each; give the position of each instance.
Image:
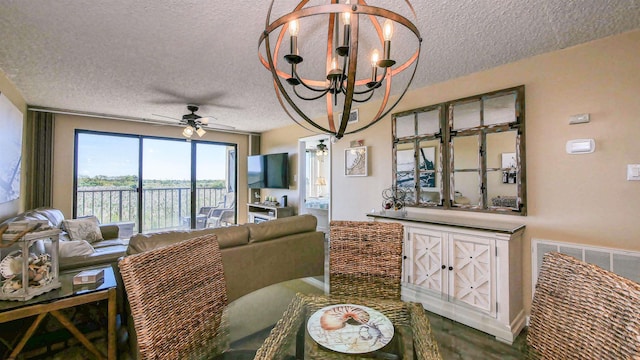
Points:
(83, 251)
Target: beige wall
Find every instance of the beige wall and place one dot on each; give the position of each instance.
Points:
(7, 88)
(285, 140)
(65, 126)
(574, 198)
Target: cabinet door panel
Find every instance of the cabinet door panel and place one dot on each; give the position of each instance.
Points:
(427, 252)
(472, 279)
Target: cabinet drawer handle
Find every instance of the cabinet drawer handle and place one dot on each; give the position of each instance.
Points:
(405, 257)
(450, 268)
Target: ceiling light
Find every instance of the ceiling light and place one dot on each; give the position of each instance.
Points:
(188, 131)
(338, 82)
(321, 149)
(200, 131)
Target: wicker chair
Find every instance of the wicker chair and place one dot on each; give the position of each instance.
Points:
(177, 296)
(365, 259)
(580, 311)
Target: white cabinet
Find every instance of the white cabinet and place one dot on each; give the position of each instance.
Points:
(452, 265)
(468, 272)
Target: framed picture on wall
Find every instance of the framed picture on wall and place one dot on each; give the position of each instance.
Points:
(355, 161)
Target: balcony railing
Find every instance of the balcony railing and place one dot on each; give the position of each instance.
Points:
(162, 208)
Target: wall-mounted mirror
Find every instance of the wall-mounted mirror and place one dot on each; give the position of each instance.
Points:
(418, 156)
(467, 154)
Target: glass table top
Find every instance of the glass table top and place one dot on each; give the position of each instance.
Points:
(67, 289)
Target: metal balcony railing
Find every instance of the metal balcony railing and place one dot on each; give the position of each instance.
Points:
(162, 208)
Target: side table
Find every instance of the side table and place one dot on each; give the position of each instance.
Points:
(66, 297)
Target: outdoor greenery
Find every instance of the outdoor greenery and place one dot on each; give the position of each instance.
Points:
(131, 182)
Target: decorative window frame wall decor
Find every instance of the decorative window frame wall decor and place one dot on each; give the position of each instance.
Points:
(468, 138)
(11, 155)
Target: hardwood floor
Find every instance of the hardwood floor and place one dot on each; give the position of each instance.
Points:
(458, 341)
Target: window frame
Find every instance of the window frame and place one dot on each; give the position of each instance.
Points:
(232, 177)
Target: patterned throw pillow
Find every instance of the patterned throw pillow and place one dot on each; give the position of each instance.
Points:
(83, 229)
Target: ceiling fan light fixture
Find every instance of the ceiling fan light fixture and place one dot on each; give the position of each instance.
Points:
(321, 149)
(187, 132)
(200, 131)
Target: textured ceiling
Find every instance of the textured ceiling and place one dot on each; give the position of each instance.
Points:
(139, 58)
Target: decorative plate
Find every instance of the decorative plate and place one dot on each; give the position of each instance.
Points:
(351, 329)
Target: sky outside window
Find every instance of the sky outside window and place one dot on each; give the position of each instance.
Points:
(112, 156)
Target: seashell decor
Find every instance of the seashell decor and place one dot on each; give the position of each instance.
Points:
(26, 271)
(39, 273)
(338, 316)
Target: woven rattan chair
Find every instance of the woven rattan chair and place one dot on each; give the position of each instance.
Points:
(177, 296)
(581, 311)
(365, 259)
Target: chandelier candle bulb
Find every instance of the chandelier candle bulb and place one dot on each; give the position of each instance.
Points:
(387, 30)
(346, 20)
(293, 32)
(375, 55)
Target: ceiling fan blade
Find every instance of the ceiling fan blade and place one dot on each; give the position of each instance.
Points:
(168, 117)
(220, 126)
(207, 119)
(172, 97)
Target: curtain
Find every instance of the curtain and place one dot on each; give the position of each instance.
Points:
(40, 155)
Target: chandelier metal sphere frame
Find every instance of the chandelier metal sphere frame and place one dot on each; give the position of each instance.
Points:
(341, 62)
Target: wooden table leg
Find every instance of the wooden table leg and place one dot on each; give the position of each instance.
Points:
(111, 328)
(27, 336)
(79, 335)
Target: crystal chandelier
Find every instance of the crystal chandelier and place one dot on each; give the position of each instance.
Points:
(338, 83)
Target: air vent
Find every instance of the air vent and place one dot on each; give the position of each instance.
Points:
(621, 262)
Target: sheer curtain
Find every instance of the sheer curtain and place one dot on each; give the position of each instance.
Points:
(39, 153)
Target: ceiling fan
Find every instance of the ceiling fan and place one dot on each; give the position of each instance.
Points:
(196, 123)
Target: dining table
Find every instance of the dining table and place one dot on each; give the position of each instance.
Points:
(346, 327)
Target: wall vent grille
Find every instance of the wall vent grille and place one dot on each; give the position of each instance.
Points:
(622, 262)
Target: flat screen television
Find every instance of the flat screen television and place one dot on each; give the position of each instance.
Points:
(270, 171)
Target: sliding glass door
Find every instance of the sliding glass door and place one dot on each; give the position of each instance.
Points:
(107, 177)
(166, 184)
(215, 185)
(156, 183)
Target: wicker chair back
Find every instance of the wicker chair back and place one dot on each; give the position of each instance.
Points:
(177, 296)
(581, 311)
(365, 259)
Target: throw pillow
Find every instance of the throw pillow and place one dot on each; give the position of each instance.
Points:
(83, 229)
(74, 248)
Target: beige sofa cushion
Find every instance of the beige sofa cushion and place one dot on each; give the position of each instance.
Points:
(227, 237)
(285, 226)
(74, 248)
(232, 236)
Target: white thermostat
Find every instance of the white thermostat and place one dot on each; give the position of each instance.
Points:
(581, 146)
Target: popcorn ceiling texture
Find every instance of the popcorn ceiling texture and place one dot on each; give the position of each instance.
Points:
(138, 58)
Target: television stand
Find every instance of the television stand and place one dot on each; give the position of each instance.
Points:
(264, 212)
